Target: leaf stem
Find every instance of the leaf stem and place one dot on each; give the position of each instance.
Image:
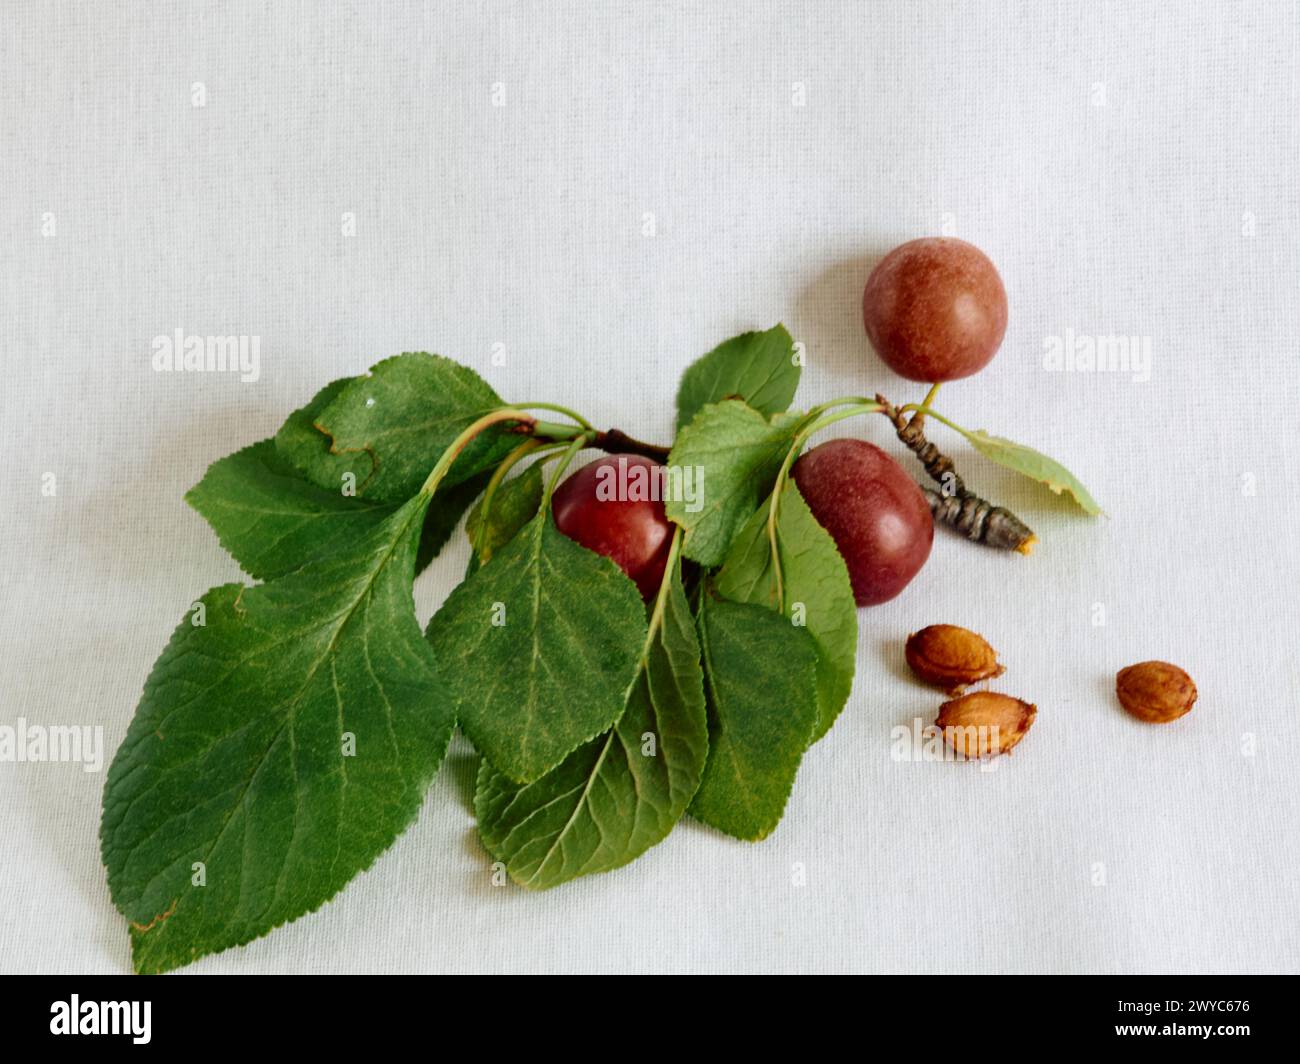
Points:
(924, 410)
(811, 424)
(847, 400)
(665, 588)
(550, 430)
(556, 408)
(439, 471)
(578, 443)
(917, 422)
(508, 463)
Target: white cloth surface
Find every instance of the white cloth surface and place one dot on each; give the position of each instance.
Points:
(1129, 167)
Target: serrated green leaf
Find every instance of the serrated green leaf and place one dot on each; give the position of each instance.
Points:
(307, 449)
(278, 749)
(271, 519)
(540, 646)
(760, 681)
(609, 801)
(757, 367)
(738, 452)
(401, 417)
(817, 593)
(274, 521)
(1032, 464)
(515, 504)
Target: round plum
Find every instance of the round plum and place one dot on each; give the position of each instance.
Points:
(873, 510)
(935, 309)
(613, 506)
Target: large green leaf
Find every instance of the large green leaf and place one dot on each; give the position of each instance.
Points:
(540, 646)
(273, 520)
(402, 416)
(737, 452)
(618, 795)
(758, 367)
(279, 748)
(760, 678)
(816, 591)
(1033, 464)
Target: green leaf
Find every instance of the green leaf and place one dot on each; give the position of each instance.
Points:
(274, 521)
(609, 801)
(515, 503)
(757, 367)
(233, 805)
(817, 593)
(1032, 464)
(401, 417)
(760, 678)
(540, 646)
(307, 449)
(737, 451)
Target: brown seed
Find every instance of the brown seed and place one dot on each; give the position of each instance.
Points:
(951, 657)
(1155, 691)
(984, 723)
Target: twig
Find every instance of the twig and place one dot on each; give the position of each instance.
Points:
(616, 441)
(954, 504)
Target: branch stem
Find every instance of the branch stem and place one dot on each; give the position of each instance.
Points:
(955, 505)
(612, 441)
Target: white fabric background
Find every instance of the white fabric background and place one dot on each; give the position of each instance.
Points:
(1130, 168)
